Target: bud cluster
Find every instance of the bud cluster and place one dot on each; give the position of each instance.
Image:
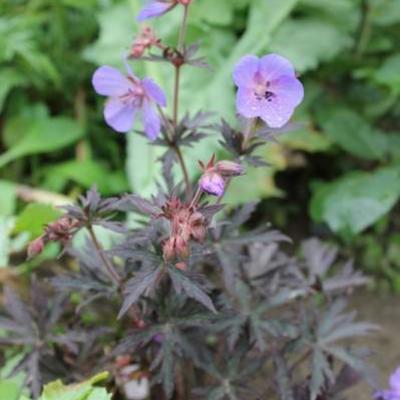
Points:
(60, 231)
(145, 40)
(187, 223)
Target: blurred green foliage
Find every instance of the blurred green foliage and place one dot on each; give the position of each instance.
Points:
(11, 390)
(346, 52)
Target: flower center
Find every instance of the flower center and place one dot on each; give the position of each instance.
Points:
(262, 92)
(134, 95)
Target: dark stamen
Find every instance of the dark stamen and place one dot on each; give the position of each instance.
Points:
(269, 95)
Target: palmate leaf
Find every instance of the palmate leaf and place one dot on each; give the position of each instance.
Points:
(190, 286)
(334, 326)
(282, 378)
(232, 374)
(142, 282)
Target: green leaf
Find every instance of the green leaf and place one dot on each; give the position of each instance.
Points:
(85, 173)
(9, 79)
(34, 217)
(356, 200)
(222, 11)
(307, 43)
(43, 136)
(142, 165)
(99, 394)
(351, 132)
(306, 139)
(388, 74)
(385, 13)
(117, 27)
(9, 390)
(8, 198)
(82, 391)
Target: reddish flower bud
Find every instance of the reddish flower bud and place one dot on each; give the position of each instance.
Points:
(212, 183)
(229, 168)
(182, 266)
(169, 249)
(197, 226)
(145, 40)
(35, 247)
(182, 247)
(137, 50)
(185, 2)
(175, 247)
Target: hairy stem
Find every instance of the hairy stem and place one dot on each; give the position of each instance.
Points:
(181, 41)
(170, 140)
(176, 96)
(196, 197)
(248, 133)
(110, 269)
(184, 170)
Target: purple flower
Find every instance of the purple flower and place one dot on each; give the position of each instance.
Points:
(155, 8)
(129, 96)
(394, 388)
(212, 183)
(267, 88)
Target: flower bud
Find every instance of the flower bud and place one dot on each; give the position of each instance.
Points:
(197, 226)
(169, 249)
(181, 265)
(212, 183)
(181, 247)
(137, 50)
(174, 247)
(35, 247)
(229, 168)
(145, 40)
(185, 2)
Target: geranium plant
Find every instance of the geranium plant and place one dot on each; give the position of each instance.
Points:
(197, 301)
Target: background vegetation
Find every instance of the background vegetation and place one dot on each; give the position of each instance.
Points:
(337, 176)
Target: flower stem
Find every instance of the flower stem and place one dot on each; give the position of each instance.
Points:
(248, 133)
(196, 197)
(110, 269)
(176, 96)
(181, 41)
(184, 170)
(182, 32)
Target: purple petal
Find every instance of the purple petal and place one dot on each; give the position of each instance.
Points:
(118, 115)
(394, 381)
(108, 81)
(247, 103)
(386, 395)
(290, 90)
(154, 92)
(153, 9)
(245, 71)
(277, 112)
(151, 120)
(212, 183)
(274, 66)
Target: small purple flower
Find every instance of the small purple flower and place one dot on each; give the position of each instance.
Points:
(393, 393)
(155, 8)
(128, 96)
(212, 183)
(267, 88)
